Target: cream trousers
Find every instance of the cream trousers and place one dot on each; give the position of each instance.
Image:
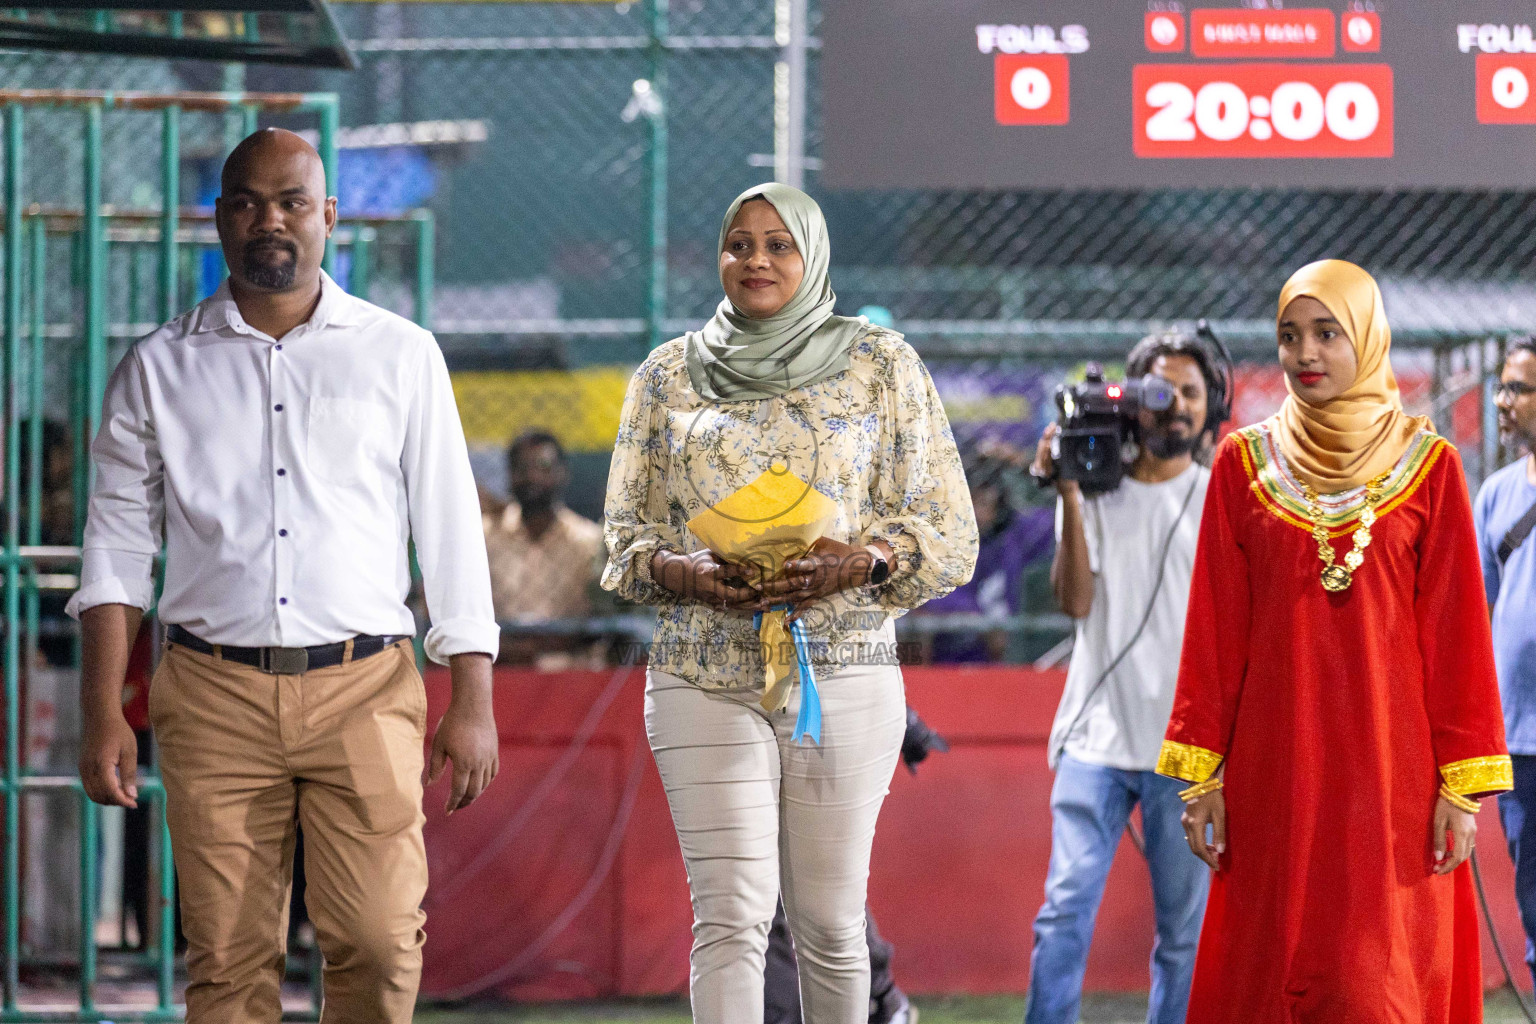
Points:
(757, 815)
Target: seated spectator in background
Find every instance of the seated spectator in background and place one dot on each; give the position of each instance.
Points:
(56, 505)
(1011, 540)
(55, 522)
(545, 559)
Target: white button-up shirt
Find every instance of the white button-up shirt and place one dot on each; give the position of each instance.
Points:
(285, 478)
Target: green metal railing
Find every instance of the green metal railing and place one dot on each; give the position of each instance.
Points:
(96, 235)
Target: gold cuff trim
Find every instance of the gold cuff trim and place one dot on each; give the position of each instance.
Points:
(1478, 775)
(1193, 764)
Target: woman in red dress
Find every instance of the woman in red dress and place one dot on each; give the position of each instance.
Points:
(1336, 707)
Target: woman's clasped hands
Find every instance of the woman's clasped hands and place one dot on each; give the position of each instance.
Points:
(828, 567)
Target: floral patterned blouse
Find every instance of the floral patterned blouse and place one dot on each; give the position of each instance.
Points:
(874, 439)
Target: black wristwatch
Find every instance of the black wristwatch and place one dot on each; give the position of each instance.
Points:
(880, 568)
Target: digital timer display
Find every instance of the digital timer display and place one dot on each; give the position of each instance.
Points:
(1262, 110)
(1120, 93)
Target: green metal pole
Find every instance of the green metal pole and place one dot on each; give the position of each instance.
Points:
(170, 222)
(234, 86)
(35, 380)
(170, 210)
(34, 469)
(426, 266)
(657, 306)
(15, 246)
(135, 286)
(95, 275)
(330, 125)
(13, 251)
(249, 120)
(95, 242)
(80, 464)
(362, 254)
(89, 821)
(166, 974)
(36, 371)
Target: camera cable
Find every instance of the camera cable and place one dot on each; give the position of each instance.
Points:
(1146, 616)
(1498, 947)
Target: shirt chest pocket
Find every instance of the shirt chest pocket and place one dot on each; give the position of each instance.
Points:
(348, 439)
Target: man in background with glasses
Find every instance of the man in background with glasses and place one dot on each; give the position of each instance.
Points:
(1505, 513)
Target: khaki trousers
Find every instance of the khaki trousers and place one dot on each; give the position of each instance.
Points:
(245, 756)
(756, 813)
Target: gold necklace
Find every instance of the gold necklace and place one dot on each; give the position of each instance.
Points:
(1337, 578)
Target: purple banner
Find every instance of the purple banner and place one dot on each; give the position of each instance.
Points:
(997, 403)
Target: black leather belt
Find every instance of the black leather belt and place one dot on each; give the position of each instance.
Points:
(285, 661)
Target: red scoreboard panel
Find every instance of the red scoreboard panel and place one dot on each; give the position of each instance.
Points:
(1262, 110)
(1244, 34)
(1032, 89)
(1162, 93)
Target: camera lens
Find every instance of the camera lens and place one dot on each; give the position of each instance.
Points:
(1156, 393)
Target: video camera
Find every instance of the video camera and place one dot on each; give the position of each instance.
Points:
(1096, 416)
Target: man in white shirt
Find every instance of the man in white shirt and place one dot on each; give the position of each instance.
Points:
(283, 440)
(1122, 569)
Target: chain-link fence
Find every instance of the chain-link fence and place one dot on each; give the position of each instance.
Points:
(576, 158)
(542, 183)
(577, 212)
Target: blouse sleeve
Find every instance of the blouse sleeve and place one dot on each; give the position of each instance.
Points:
(636, 513)
(1214, 659)
(1461, 688)
(921, 500)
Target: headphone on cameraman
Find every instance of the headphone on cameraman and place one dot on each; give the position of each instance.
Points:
(1218, 400)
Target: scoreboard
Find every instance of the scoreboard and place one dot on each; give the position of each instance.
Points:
(1137, 94)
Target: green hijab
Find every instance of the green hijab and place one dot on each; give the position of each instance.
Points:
(736, 358)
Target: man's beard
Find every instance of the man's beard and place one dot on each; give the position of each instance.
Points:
(1167, 445)
(534, 501)
(271, 274)
(1511, 436)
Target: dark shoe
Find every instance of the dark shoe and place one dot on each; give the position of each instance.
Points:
(894, 1009)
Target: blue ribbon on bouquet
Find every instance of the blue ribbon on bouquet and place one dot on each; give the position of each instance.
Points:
(809, 721)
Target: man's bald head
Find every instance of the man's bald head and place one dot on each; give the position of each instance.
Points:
(273, 213)
(269, 147)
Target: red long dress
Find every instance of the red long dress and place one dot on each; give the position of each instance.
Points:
(1337, 715)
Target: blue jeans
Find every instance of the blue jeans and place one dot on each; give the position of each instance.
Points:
(1090, 806)
(1517, 813)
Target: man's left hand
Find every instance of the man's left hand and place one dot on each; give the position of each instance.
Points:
(466, 734)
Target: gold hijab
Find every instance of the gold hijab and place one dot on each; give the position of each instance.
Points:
(1356, 437)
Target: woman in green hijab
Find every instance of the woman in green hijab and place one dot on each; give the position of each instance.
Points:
(776, 383)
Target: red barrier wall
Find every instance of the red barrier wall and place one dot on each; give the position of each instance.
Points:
(564, 880)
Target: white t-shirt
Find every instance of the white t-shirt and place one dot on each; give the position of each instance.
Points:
(1121, 723)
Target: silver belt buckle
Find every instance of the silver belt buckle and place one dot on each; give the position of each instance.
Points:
(284, 661)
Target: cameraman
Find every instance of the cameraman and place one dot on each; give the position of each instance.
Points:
(1122, 570)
